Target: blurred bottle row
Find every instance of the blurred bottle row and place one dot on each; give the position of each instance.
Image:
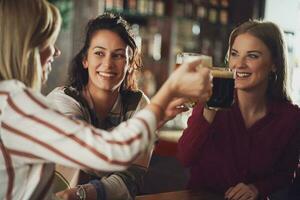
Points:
(215, 11)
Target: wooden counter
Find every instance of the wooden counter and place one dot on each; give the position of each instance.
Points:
(181, 195)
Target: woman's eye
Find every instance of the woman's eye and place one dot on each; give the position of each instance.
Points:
(233, 53)
(118, 56)
(253, 56)
(99, 53)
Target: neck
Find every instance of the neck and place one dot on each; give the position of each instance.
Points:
(253, 105)
(101, 101)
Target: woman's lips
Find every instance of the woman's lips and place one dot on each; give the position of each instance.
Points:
(243, 74)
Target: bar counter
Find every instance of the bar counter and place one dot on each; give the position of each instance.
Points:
(182, 195)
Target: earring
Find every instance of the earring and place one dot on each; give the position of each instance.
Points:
(274, 76)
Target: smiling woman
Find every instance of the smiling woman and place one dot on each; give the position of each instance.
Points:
(103, 91)
(262, 121)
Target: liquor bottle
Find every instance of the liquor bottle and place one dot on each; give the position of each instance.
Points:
(109, 4)
(118, 5)
(150, 7)
(159, 8)
(132, 6)
(223, 17)
(212, 15)
(142, 6)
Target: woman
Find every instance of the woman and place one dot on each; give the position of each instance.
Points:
(102, 91)
(249, 150)
(33, 135)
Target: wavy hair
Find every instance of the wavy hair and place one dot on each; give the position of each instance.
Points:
(26, 27)
(78, 75)
(271, 35)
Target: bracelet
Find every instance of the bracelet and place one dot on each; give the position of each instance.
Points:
(80, 193)
(160, 109)
(101, 194)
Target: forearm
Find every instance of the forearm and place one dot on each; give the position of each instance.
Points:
(127, 183)
(160, 101)
(87, 147)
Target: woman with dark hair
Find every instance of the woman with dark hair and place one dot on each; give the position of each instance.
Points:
(250, 150)
(102, 90)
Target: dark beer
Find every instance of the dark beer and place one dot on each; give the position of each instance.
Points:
(223, 89)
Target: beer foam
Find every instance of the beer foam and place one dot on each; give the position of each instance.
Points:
(222, 73)
(206, 61)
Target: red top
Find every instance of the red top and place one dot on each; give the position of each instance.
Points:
(225, 153)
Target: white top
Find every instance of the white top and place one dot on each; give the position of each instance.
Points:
(33, 134)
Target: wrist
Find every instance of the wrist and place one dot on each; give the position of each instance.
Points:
(99, 188)
(209, 115)
(80, 192)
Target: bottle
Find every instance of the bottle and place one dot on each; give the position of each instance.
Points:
(159, 8)
(142, 6)
(132, 6)
(118, 5)
(109, 4)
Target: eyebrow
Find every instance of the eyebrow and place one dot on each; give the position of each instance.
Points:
(253, 51)
(100, 47)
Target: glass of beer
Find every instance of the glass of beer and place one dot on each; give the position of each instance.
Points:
(223, 88)
(190, 57)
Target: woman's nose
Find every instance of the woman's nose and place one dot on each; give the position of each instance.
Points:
(57, 52)
(107, 60)
(238, 63)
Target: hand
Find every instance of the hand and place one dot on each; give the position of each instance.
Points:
(191, 81)
(174, 108)
(242, 192)
(68, 194)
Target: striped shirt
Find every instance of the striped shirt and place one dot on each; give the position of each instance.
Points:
(33, 134)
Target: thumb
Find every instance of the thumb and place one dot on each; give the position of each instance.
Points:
(194, 65)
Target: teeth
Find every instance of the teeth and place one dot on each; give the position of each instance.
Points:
(109, 75)
(243, 74)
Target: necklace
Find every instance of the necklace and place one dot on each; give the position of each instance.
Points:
(93, 106)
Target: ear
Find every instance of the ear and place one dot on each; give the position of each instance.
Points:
(85, 63)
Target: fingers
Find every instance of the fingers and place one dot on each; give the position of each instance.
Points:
(194, 65)
(190, 82)
(236, 192)
(228, 191)
(240, 192)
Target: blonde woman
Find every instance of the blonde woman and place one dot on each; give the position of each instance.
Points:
(33, 135)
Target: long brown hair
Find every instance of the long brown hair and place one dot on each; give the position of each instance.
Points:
(271, 35)
(78, 75)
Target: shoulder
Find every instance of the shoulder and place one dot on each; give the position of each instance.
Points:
(286, 108)
(59, 99)
(19, 96)
(134, 100)
(59, 95)
(11, 87)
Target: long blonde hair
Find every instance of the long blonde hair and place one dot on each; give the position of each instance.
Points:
(26, 27)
